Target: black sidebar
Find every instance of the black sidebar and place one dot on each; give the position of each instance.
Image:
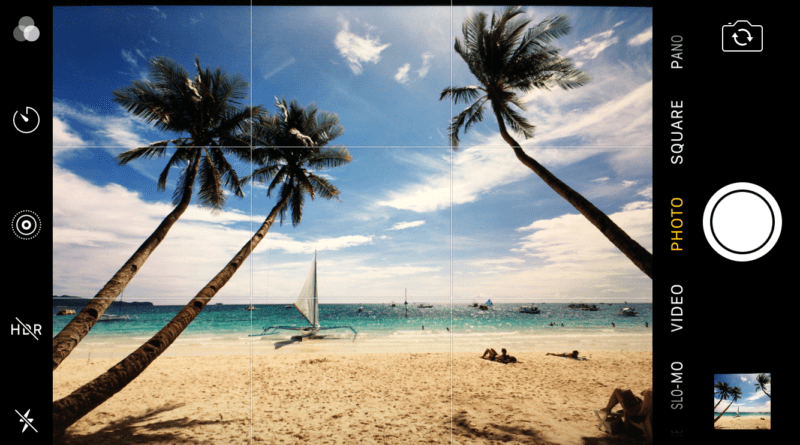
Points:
(722, 230)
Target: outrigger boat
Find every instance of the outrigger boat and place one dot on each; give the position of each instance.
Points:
(308, 305)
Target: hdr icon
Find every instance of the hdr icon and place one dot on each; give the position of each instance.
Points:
(26, 329)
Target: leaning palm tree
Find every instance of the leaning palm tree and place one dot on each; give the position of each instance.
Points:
(762, 381)
(302, 136)
(506, 58)
(723, 390)
(206, 113)
(736, 394)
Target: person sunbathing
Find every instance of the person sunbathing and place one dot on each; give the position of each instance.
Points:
(574, 355)
(635, 408)
(502, 358)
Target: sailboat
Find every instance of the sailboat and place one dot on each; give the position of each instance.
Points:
(111, 317)
(308, 305)
(486, 306)
(737, 411)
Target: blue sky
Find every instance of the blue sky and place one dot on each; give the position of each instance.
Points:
(752, 400)
(471, 224)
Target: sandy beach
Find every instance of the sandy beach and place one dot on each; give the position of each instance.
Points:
(345, 398)
(744, 423)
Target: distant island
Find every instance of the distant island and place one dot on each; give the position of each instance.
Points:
(70, 301)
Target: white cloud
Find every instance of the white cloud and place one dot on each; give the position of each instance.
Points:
(567, 257)
(406, 225)
(154, 8)
(644, 37)
(426, 65)
(591, 47)
(97, 228)
(357, 49)
(283, 65)
(105, 130)
(128, 56)
(402, 73)
(64, 139)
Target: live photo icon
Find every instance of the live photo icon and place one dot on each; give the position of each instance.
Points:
(742, 37)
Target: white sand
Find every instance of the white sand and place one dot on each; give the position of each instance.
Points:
(345, 398)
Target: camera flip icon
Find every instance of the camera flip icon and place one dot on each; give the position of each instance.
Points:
(742, 37)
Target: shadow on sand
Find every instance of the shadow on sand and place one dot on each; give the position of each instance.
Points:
(506, 433)
(503, 433)
(137, 430)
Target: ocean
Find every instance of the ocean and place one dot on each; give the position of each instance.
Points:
(226, 329)
(733, 414)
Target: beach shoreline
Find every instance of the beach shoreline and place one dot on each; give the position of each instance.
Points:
(340, 397)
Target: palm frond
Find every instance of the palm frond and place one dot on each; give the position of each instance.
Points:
(329, 157)
(181, 155)
(183, 186)
(462, 94)
(323, 187)
(296, 204)
(517, 123)
(157, 149)
(210, 193)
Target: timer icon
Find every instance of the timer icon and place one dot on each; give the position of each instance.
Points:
(26, 121)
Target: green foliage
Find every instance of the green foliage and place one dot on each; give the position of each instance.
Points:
(290, 147)
(505, 58)
(205, 111)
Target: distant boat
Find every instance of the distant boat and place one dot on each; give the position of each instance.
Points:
(532, 309)
(425, 306)
(288, 306)
(66, 312)
(583, 307)
(251, 308)
(486, 306)
(737, 411)
(393, 304)
(360, 310)
(118, 317)
(308, 305)
(219, 304)
(628, 312)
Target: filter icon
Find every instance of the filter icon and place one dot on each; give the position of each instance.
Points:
(26, 31)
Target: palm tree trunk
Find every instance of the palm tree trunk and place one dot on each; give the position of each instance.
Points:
(726, 409)
(79, 326)
(633, 250)
(72, 408)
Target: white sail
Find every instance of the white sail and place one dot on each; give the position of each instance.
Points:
(308, 305)
(308, 301)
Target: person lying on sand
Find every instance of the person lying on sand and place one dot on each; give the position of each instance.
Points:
(635, 408)
(502, 358)
(574, 355)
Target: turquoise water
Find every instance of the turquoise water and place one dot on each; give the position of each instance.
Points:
(733, 414)
(228, 327)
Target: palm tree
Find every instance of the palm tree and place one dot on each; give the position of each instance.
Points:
(763, 380)
(723, 390)
(505, 58)
(736, 394)
(303, 136)
(207, 114)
